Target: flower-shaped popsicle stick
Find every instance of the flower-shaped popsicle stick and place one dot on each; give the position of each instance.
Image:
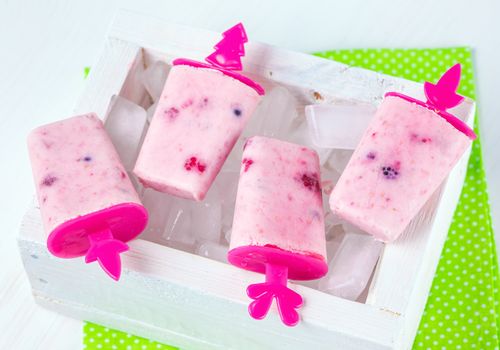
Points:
(442, 95)
(106, 249)
(274, 288)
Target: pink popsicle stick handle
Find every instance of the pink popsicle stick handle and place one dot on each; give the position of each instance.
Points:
(229, 50)
(275, 287)
(443, 95)
(106, 250)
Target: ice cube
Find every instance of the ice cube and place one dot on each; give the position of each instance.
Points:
(207, 217)
(348, 227)
(213, 251)
(332, 220)
(227, 219)
(300, 135)
(155, 203)
(364, 294)
(338, 126)
(310, 284)
(274, 116)
(137, 184)
(154, 77)
(125, 123)
(233, 161)
(151, 111)
(332, 247)
(179, 223)
(352, 266)
(334, 236)
(329, 178)
(338, 160)
(169, 220)
(132, 88)
(335, 232)
(226, 185)
(227, 235)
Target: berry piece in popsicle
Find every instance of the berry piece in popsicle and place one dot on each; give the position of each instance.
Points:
(89, 206)
(278, 226)
(201, 113)
(408, 149)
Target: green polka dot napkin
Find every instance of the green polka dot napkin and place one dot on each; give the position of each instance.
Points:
(463, 305)
(99, 337)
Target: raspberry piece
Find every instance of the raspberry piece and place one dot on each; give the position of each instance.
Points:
(247, 162)
(193, 163)
(311, 182)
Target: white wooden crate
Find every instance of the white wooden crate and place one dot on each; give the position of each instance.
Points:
(196, 303)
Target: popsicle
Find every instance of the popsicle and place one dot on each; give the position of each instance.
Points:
(406, 152)
(201, 112)
(89, 206)
(278, 226)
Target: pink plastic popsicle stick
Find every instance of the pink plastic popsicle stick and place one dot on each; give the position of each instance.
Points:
(227, 57)
(229, 50)
(106, 250)
(275, 287)
(442, 96)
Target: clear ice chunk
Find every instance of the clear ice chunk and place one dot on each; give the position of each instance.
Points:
(233, 160)
(274, 115)
(151, 111)
(227, 235)
(137, 184)
(352, 266)
(329, 178)
(332, 247)
(179, 222)
(170, 220)
(310, 284)
(300, 135)
(207, 217)
(125, 123)
(332, 220)
(213, 251)
(338, 126)
(154, 77)
(348, 227)
(334, 235)
(226, 185)
(338, 160)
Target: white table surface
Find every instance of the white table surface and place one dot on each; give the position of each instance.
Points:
(46, 44)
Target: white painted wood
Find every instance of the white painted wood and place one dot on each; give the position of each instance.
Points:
(175, 297)
(108, 76)
(187, 300)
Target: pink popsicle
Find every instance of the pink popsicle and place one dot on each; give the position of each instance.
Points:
(88, 204)
(406, 152)
(278, 226)
(200, 115)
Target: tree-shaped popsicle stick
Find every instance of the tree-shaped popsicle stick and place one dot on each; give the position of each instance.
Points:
(228, 51)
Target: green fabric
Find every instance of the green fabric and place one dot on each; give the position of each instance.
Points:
(463, 305)
(86, 71)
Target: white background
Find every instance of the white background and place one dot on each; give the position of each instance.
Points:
(44, 46)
